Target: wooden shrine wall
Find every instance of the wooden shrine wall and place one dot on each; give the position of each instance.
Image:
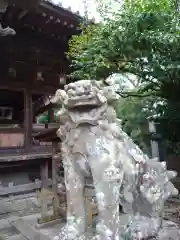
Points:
(11, 140)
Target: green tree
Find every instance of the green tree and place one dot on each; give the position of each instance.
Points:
(143, 39)
(134, 120)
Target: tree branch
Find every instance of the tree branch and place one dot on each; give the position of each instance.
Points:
(135, 94)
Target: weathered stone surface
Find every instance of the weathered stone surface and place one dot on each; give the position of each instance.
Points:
(94, 145)
(169, 231)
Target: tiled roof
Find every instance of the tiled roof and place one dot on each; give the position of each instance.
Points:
(59, 6)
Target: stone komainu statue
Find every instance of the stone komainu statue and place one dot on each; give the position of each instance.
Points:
(94, 144)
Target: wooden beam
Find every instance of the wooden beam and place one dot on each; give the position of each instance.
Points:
(17, 86)
(43, 109)
(11, 130)
(48, 135)
(28, 117)
(4, 191)
(24, 157)
(9, 122)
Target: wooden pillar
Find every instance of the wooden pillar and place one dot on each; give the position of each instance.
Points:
(28, 117)
(44, 174)
(44, 186)
(54, 167)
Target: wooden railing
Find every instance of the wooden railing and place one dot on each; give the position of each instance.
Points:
(40, 127)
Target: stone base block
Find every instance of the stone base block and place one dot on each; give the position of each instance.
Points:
(139, 230)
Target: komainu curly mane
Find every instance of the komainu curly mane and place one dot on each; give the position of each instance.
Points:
(93, 143)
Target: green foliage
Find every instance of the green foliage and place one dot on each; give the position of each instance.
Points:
(79, 43)
(134, 120)
(143, 39)
(45, 118)
(169, 125)
(143, 43)
(150, 6)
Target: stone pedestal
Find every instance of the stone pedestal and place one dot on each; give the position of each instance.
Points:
(168, 231)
